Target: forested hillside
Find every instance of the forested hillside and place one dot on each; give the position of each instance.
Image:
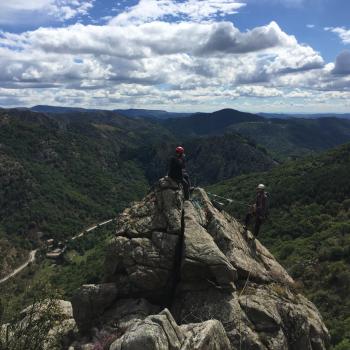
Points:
(291, 138)
(208, 159)
(61, 172)
(283, 138)
(308, 229)
(57, 177)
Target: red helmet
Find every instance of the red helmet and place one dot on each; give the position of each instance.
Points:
(179, 150)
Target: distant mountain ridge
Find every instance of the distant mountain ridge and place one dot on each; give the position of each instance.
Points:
(305, 116)
(131, 112)
(151, 113)
(209, 123)
(283, 137)
(163, 114)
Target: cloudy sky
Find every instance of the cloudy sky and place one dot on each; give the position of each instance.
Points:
(188, 55)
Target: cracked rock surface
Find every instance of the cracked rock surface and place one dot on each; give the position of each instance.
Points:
(182, 275)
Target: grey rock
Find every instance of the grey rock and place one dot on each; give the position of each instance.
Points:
(90, 301)
(202, 259)
(225, 291)
(156, 332)
(142, 266)
(125, 311)
(160, 332)
(208, 335)
(160, 210)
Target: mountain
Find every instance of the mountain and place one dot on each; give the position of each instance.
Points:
(59, 175)
(132, 113)
(58, 109)
(161, 114)
(308, 229)
(62, 171)
(305, 115)
(290, 138)
(282, 138)
(150, 113)
(209, 123)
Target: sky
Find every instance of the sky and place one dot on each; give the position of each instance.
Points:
(290, 56)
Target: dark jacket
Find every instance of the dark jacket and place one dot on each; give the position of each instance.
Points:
(176, 168)
(261, 204)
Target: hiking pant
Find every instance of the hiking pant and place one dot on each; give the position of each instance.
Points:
(258, 222)
(186, 184)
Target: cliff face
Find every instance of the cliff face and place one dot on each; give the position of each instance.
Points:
(182, 275)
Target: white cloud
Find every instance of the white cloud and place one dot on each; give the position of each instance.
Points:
(258, 91)
(299, 93)
(141, 59)
(310, 26)
(196, 10)
(34, 10)
(342, 32)
(153, 53)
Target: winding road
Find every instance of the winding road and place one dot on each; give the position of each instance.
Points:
(31, 258)
(32, 254)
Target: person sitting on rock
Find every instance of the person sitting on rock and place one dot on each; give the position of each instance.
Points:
(259, 210)
(177, 171)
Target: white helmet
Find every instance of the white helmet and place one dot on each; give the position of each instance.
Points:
(261, 187)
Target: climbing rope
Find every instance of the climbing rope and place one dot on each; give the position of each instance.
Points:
(229, 200)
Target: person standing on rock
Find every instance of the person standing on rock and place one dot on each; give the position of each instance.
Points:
(259, 210)
(177, 170)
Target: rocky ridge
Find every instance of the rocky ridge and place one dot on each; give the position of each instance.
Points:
(183, 275)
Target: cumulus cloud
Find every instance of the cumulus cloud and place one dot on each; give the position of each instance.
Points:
(140, 58)
(258, 91)
(17, 10)
(154, 54)
(342, 32)
(224, 37)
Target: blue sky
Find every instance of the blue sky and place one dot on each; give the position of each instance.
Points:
(188, 55)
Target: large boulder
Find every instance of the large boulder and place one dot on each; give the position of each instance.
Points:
(222, 290)
(142, 266)
(160, 210)
(202, 260)
(160, 332)
(90, 301)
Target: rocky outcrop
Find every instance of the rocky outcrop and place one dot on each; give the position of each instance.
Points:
(183, 275)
